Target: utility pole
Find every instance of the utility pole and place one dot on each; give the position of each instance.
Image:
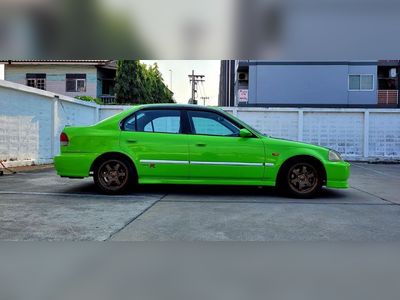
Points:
(195, 79)
(170, 79)
(204, 100)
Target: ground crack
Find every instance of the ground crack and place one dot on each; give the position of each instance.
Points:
(134, 218)
(383, 199)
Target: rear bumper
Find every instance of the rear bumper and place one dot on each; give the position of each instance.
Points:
(337, 174)
(74, 164)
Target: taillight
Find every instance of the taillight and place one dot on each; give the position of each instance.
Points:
(64, 141)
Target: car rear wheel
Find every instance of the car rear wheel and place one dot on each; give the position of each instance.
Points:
(303, 180)
(114, 175)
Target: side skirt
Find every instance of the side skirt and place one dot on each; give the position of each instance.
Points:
(210, 181)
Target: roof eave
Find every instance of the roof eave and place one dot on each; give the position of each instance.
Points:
(56, 62)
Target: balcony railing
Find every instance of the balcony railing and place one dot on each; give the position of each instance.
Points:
(108, 99)
(388, 97)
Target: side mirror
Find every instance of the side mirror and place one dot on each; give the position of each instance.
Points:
(244, 133)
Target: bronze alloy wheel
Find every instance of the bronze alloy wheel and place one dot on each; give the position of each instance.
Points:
(303, 178)
(113, 175)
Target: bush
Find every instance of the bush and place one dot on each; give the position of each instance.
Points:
(89, 99)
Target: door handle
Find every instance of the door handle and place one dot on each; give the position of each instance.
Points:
(131, 141)
(201, 145)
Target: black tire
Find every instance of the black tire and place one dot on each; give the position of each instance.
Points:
(114, 175)
(301, 179)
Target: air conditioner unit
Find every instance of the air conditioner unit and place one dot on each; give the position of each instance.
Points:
(242, 76)
(393, 73)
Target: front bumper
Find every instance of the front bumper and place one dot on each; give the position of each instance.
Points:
(74, 164)
(337, 174)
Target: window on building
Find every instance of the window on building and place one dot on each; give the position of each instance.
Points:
(36, 80)
(76, 83)
(361, 82)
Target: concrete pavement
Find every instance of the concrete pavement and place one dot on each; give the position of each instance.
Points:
(42, 206)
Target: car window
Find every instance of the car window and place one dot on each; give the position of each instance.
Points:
(168, 124)
(209, 123)
(163, 121)
(129, 123)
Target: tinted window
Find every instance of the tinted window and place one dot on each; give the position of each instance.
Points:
(209, 123)
(164, 121)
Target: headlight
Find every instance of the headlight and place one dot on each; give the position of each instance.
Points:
(334, 156)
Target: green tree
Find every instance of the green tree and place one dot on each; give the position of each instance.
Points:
(136, 83)
(156, 84)
(129, 86)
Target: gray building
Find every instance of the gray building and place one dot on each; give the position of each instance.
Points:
(95, 78)
(322, 84)
(226, 96)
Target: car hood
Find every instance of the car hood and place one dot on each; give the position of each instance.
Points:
(296, 144)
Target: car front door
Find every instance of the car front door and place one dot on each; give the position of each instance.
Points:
(153, 137)
(216, 150)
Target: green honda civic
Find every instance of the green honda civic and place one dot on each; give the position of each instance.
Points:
(189, 144)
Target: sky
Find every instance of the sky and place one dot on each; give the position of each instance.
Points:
(180, 80)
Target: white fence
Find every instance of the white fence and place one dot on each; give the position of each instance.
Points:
(359, 134)
(31, 121)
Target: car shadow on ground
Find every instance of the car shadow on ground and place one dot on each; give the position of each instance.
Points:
(233, 191)
(216, 191)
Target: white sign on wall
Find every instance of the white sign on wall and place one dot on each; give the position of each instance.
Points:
(243, 95)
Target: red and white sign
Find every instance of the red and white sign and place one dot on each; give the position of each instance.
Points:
(243, 95)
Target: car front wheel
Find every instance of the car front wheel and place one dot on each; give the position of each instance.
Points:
(113, 175)
(303, 180)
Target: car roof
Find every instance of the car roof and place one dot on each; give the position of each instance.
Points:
(178, 106)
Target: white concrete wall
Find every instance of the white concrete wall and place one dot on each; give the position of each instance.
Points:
(31, 121)
(106, 111)
(359, 134)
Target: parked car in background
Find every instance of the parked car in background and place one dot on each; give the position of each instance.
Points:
(189, 144)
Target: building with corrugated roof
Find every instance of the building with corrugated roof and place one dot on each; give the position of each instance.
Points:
(94, 78)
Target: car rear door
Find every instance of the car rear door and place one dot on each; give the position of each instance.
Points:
(217, 151)
(153, 137)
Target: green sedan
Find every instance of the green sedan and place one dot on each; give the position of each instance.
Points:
(188, 144)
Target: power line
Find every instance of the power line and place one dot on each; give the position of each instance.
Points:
(202, 92)
(204, 97)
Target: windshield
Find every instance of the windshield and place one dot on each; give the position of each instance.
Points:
(245, 124)
(255, 130)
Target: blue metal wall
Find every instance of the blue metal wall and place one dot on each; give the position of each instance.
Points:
(311, 83)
